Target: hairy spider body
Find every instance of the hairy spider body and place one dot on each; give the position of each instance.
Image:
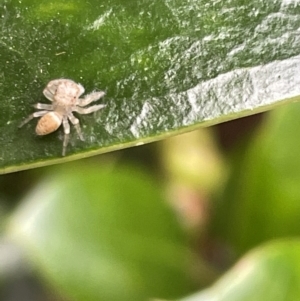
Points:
(64, 95)
(48, 123)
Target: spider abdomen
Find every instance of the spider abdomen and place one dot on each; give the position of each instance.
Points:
(48, 123)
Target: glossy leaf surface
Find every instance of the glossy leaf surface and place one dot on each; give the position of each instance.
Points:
(167, 67)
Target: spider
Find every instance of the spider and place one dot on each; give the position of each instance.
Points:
(64, 95)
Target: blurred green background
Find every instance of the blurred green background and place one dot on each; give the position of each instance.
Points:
(161, 221)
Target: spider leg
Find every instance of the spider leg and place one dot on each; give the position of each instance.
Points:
(90, 98)
(30, 117)
(66, 126)
(43, 106)
(89, 109)
(76, 124)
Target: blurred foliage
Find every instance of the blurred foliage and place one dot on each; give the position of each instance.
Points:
(263, 195)
(271, 272)
(103, 233)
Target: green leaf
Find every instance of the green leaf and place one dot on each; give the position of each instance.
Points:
(263, 194)
(103, 234)
(167, 66)
(271, 272)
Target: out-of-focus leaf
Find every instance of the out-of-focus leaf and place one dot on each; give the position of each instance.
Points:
(263, 197)
(167, 66)
(11, 263)
(271, 272)
(103, 234)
